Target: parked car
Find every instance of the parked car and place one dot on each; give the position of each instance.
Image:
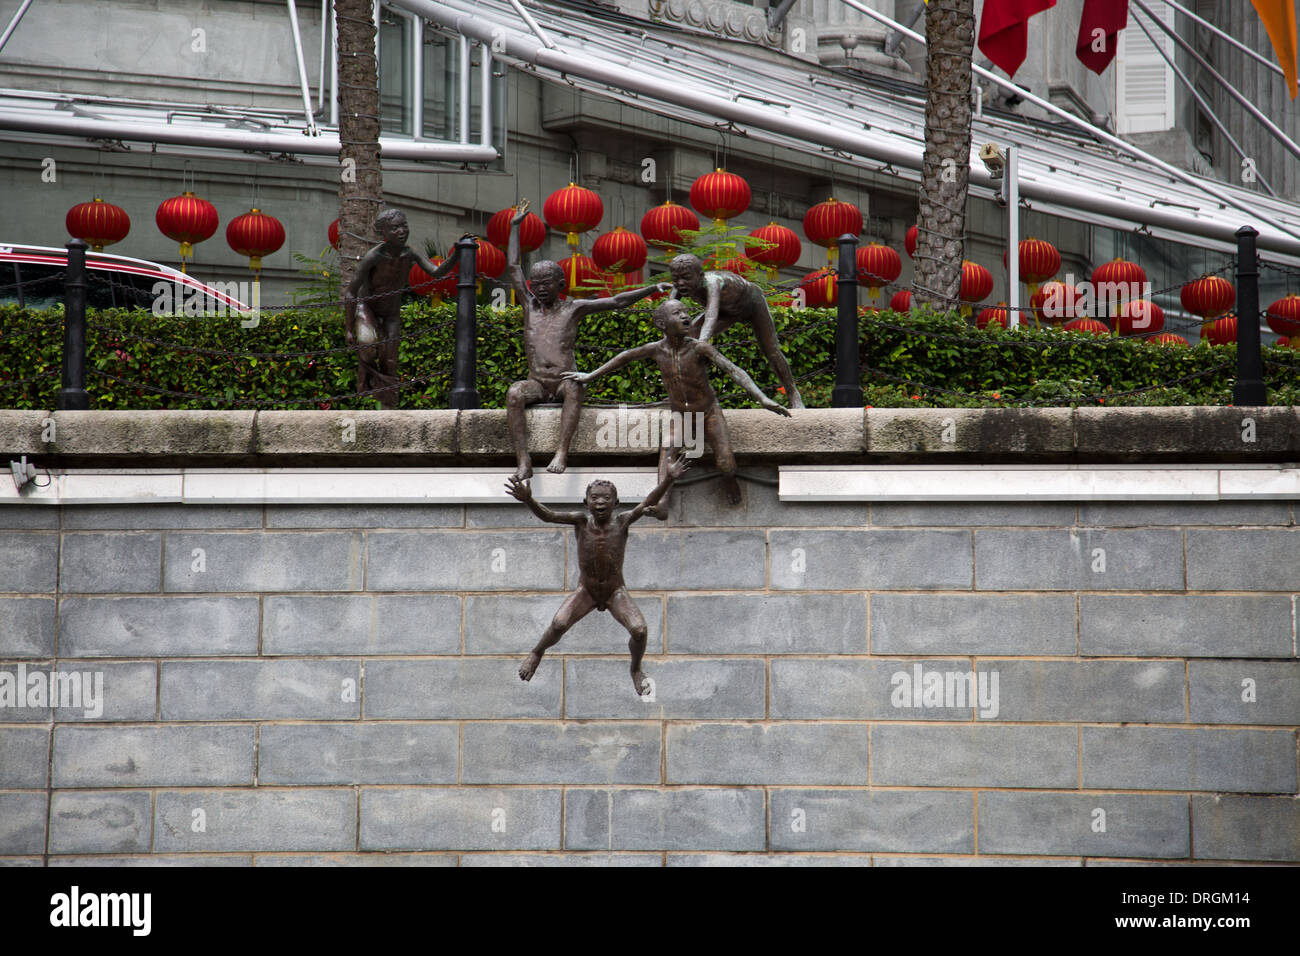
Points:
(33, 276)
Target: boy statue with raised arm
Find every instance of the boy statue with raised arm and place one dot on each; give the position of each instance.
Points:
(550, 330)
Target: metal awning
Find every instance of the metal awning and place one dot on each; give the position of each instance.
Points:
(775, 98)
(194, 124)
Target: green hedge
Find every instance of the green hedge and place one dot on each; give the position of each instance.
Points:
(909, 360)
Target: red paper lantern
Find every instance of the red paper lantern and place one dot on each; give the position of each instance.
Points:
(909, 242)
(1056, 302)
(825, 222)
(878, 265)
(1125, 279)
(901, 301)
(582, 271)
(662, 226)
(333, 233)
(820, 289)
(620, 251)
(720, 195)
(976, 284)
(783, 249)
(532, 231)
(1208, 296)
(186, 219)
(1140, 317)
(1170, 339)
(573, 210)
(422, 283)
(1089, 326)
(993, 315)
(255, 234)
(1222, 331)
(1039, 261)
(491, 261)
(1284, 316)
(1286, 342)
(97, 223)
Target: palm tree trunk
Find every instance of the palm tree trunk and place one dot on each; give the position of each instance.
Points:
(361, 183)
(941, 224)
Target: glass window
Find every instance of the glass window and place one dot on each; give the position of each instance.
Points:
(395, 104)
(441, 85)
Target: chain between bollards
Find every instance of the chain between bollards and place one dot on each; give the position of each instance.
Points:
(464, 382)
(73, 393)
(1249, 388)
(848, 373)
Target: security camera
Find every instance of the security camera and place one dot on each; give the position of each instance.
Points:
(993, 159)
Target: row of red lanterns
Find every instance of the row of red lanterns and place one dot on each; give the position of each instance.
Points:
(185, 219)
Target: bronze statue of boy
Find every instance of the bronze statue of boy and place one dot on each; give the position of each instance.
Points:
(372, 317)
(727, 299)
(601, 539)
(684, 364)
(550, 330)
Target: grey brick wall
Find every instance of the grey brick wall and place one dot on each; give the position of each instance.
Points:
(901, 684)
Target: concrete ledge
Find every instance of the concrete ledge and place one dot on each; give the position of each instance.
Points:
(449, 438)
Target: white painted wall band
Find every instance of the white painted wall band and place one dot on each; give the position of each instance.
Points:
(797, 484)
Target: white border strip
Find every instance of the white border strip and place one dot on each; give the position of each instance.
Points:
(313, 486)
(797, 483)
(1039, 483)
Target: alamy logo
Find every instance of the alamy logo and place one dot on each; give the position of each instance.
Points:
(103, 909)
(641, 428)
(181, 301)
(923, 688)
(71, 689)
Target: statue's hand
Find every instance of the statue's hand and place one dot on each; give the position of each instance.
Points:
(518, 490)
(772, 406)
(665, 287)
(677, 465)
(348, 337)
(520, 212)
(582, 378)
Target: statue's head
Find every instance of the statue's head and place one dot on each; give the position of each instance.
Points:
(391, 225)
(672, 312)
(687, 272)
(546, 280)
(601, 498)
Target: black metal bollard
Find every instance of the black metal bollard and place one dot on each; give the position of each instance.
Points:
(73, 393)
(848, 372)
(1249, 388)
(464, 381)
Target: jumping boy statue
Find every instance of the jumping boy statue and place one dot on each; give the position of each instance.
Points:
(602, 540)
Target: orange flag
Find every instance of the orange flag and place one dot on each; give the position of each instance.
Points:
(1279, 21)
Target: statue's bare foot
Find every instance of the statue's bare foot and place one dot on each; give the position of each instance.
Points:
(529, 667)
(731, 487)
(523, 473)
(656, 511)
(557, 465)
(641, 683)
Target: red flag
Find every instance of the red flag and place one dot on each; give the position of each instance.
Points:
(1099, 32)
(1004, 30)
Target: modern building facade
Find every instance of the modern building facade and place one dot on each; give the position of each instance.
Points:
(136, 99)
